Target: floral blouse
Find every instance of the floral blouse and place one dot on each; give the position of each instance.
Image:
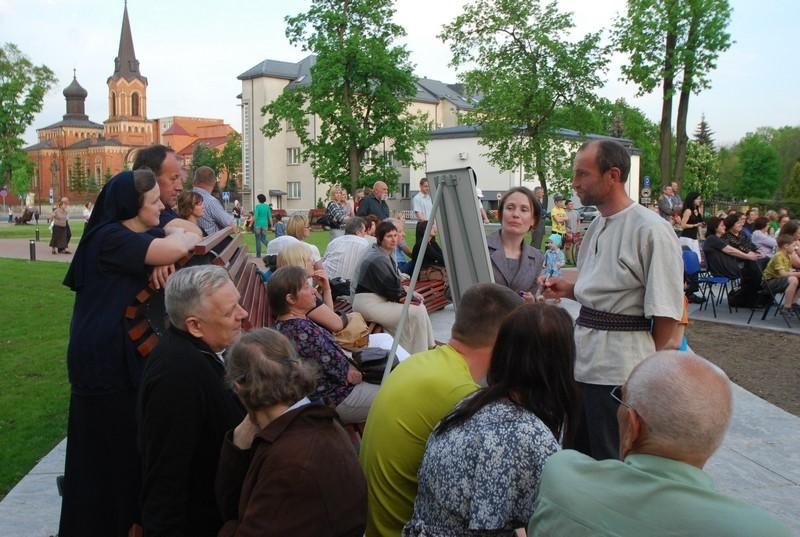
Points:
(480, 478)
(314, 343)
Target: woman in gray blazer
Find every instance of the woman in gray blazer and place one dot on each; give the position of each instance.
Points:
(515, 264)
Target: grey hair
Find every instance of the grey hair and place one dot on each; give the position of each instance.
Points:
(264, 370)
(354, 225)
(188, 289)
(685, 400)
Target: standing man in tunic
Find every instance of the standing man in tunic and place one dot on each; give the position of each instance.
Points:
(629, 286)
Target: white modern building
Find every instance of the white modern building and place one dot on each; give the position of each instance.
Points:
(273, 166)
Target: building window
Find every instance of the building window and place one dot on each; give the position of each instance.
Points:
(289, 127)
(405, 190)
(135, 104)
(293, 190)
(113, 104)
(293, 156)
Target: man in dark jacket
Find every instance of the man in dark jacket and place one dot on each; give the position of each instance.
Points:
(375, 203)
(184, 406)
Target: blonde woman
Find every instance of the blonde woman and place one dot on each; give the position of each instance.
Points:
(298, 255)
(297, 229)
(336, 212)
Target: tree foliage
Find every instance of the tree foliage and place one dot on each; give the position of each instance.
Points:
(230, 159)
(703, 133)
(758, 171)
(702, 170)
(675, 44)
(621, 120)
(792, 189)
(360, 89)
(23, 86)
(22, 171)
(518, 58)
(78, 177)
(786, 141)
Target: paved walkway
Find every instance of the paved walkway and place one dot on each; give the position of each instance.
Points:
(759, 461)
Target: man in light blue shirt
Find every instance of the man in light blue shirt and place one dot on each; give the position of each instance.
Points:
(214, 216)
(674, 410)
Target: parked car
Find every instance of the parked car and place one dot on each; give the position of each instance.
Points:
(587, 213)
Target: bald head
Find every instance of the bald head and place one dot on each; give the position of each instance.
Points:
(685, 402)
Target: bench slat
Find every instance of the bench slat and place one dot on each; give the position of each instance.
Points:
(206, 244)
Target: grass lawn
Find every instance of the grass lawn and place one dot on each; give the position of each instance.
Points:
(34, 392)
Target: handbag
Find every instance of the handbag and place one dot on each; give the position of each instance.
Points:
(371, 362)
(355, 334)
(339, 287)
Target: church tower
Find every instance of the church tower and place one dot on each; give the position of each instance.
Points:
(127, 95)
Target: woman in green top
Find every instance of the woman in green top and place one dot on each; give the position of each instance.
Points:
(261, 222)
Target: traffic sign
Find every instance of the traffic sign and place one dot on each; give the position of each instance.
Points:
(226, 196)
(647, 181)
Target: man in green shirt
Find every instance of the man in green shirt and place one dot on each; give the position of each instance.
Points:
(673, 412)
(262, 220)
(421, 391)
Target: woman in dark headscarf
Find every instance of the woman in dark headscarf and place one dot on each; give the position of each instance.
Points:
(111, 265)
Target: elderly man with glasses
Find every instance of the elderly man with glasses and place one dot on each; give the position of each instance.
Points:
(673, 412)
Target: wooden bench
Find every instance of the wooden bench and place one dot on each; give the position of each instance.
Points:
(147, 316)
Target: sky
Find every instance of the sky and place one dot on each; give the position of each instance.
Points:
(191, 52)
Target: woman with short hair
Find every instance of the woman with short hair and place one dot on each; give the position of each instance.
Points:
(190, 206)
(379, 294)
(297, 229)
(762, 240)
(340, 385)
(289, 468)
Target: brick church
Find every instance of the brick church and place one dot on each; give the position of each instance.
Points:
(76, 156)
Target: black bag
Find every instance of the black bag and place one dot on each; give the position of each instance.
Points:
(339, 287)
(371, 362)
(324, 220)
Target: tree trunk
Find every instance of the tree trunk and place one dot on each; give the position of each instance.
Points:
(355, 166)
(665, 131)
(683, 102)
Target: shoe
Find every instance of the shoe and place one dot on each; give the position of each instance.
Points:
(54, 251)
(66, 252)
(696, 299)
(796, 308)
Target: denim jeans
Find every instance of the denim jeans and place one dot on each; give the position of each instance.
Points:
(261, 236)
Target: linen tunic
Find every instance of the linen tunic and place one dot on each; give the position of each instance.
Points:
(630, 263)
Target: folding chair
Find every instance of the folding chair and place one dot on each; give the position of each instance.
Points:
(691, 266)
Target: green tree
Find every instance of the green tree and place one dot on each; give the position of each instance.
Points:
(230, 159)
(703, 133)
(758, 171)
(361, 87)
(203, 156)
(675, 44)
(728, 166)
(786, 141)
(77, 176)
(517, 56)
(23, 86)
(793, 185)
(22, 171)
(702, 170)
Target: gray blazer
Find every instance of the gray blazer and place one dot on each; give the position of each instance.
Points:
(521, 277)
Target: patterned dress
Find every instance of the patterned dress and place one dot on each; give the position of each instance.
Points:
(480, 477)
(317, 345)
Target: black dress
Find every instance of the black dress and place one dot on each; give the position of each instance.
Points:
(694, 218)
(102, 468)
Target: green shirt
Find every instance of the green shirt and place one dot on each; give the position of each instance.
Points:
(416, 396)
(643, 496)
(261, 215)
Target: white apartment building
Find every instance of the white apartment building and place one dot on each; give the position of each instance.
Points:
(273, 166)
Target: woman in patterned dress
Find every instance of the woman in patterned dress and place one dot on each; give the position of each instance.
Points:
(483, 461)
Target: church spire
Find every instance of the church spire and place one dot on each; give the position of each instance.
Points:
(125, 64)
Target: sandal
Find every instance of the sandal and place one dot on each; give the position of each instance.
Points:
(54, 251)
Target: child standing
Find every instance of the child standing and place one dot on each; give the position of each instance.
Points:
(553, 257)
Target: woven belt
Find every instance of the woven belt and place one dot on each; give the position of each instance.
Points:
(612, 322)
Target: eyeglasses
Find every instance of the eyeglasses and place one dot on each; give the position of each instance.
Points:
(616, 393)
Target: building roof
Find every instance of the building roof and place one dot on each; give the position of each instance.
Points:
(176, 129)
(471, 131)
(73, 122)
(125, 64)
(299, 74)
(278, 69)
(215, 141)
(440, 90)
(75, 90)
(46, 144)
(95, 142)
